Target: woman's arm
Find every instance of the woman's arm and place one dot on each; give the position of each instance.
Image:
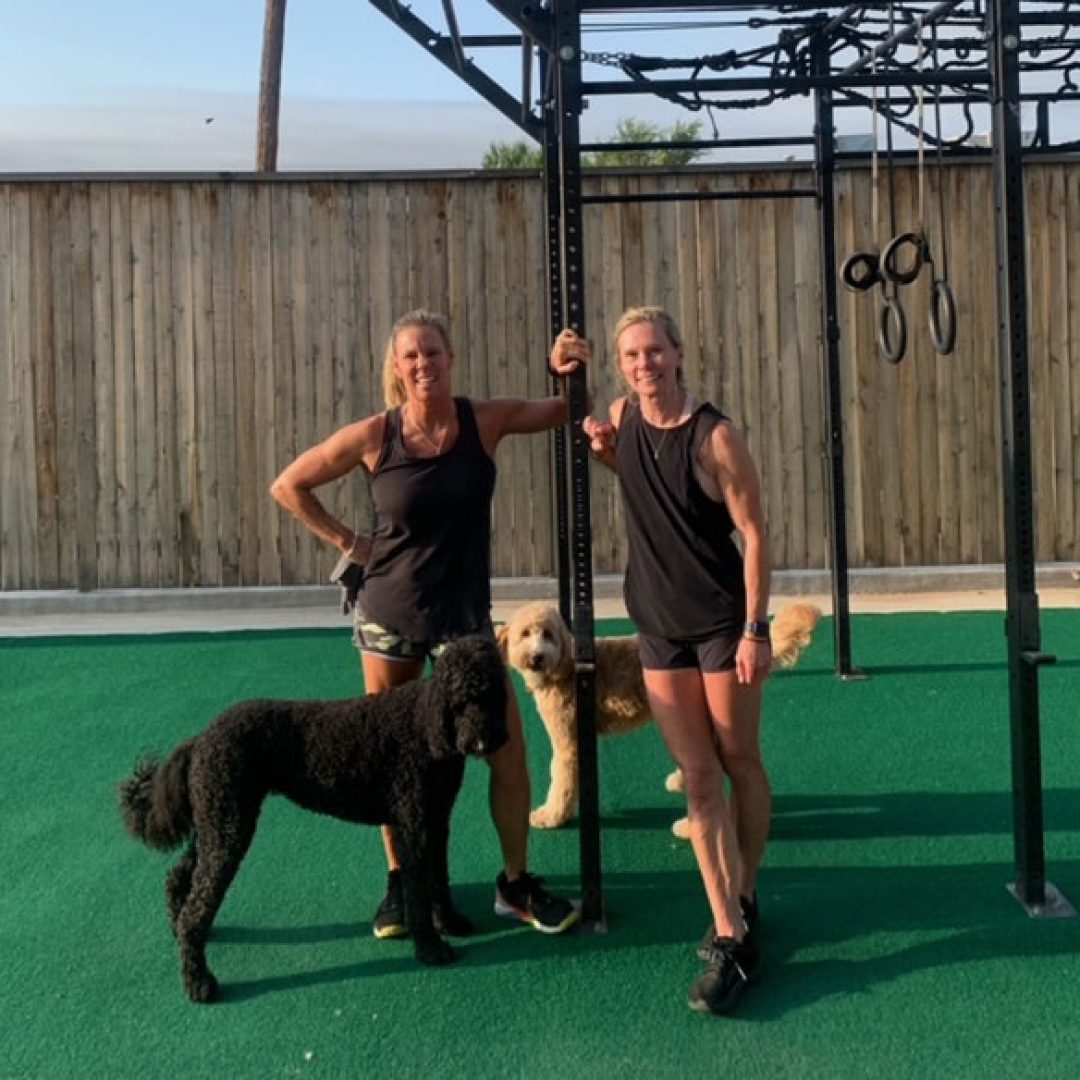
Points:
(525, 416)
(727, 461)
(353, 445)
(603, 433)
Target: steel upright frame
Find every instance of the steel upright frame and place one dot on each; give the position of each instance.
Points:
(553, 28)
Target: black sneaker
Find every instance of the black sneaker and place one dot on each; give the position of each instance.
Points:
(390, 916)
(748, 908)
(732, 965)
(525, 898)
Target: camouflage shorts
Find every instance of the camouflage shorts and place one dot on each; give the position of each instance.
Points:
(370, 637)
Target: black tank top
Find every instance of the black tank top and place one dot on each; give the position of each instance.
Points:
(684, 579)
(429, 574)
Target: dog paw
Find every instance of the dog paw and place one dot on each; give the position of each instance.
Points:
(545, 818)
(681, 829)
(448, 920)
(202, 989)
(435, 952)
(674, 782)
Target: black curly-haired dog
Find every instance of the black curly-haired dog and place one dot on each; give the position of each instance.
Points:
(395, 758)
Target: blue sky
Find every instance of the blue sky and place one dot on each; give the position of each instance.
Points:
(130, 84)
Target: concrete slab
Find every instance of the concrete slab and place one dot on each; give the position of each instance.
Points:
(151, 611)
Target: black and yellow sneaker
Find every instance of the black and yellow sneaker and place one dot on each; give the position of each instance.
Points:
(748, 908)
(731, 966)
(389, 919)
(525, 898)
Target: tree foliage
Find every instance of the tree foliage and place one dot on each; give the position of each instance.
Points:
(525, 155)
(514, 155)
(629, 130)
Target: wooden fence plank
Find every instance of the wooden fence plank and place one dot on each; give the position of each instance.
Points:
(164, 360)
(206, 519)
(12, 538)
(1072, 316)
(224, 236)
(267, 432)
(986, 398)
(104, 379)
(63, 272)
(18, 490)
(186, 514)
(1061, 530)
(125, 420)
(241, 227)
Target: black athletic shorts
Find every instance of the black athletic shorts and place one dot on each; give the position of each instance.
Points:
(665, 654)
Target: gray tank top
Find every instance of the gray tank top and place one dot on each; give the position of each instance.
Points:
(684, 579)
(429, 574)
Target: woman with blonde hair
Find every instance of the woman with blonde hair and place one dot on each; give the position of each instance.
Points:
(688, 484)
(429, 461)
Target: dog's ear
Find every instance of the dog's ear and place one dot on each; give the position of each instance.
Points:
(469, 688)
(502, 640)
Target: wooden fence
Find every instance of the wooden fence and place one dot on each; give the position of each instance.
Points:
(168, 344)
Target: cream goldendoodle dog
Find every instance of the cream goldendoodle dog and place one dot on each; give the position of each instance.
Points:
(536, 642)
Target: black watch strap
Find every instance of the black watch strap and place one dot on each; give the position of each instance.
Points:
(756, 629)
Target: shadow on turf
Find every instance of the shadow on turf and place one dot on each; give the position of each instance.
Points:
(914, 813)
(893, 814)
(888, 922)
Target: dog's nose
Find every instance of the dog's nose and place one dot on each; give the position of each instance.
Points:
(536, 662)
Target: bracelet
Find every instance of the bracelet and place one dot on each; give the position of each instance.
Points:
(758, 640)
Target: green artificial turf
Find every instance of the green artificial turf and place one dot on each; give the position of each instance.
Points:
(891, 946)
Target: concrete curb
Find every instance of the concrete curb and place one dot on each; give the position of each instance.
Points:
(909, 580)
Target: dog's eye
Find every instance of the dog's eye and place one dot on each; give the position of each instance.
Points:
(548, 635)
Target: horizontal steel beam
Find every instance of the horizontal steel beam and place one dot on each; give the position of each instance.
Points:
(698, 196)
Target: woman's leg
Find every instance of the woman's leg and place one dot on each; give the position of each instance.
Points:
(381, 673)
(735, 710)
(679, 706)
(509, 794)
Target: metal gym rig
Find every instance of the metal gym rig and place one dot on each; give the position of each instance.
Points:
(893, 59)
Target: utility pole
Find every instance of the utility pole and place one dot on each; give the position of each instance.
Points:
(270, 86)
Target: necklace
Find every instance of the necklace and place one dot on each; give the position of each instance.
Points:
(658, 446)
(436, 447)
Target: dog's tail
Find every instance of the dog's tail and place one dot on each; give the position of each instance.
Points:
(154, 800)
(791, 631)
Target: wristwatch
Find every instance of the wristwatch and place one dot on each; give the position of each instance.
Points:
(757, 630)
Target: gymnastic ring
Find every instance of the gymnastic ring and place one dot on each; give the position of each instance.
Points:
(860, 271)
(890, 259)
(892, 331)
(942, 317)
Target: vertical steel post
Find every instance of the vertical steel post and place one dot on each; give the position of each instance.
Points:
(569, 100)
(1022, 603)
(556, 321)
(825, 165)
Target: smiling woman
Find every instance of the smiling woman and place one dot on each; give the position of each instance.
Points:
(700, 605)
(429, 460)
